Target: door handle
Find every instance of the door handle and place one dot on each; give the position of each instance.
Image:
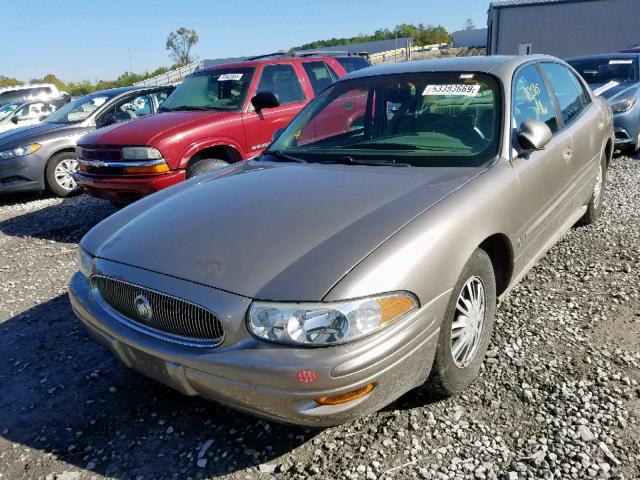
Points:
(568, 153)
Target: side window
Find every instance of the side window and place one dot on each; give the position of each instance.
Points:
(130, 108)
(160, 97)
(531, 100)
(565, 89)
(282, 80)
(320, 75)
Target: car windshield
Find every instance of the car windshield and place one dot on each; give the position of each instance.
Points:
(418, 119)
(598, 71)
(7, 110)
(78, 110)
(220, 89)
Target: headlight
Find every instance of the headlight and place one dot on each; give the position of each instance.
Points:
(20, 151)
(85, 262)
(140, 153)
(327, 323)
(623, 106)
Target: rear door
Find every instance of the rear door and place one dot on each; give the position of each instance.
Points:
(580, 116)
(543, 175)
(283, 79)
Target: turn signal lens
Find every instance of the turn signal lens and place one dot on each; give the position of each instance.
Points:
(394, 307)
(345, 397)
(148, 169)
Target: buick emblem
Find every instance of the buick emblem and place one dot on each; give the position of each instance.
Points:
(143, 308)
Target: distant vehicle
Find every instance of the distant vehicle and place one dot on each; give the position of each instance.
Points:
(633, 49)
(42, 156)
(616, 77)
(15, 115)
(215, 117)
(349, 264)
(24, 93)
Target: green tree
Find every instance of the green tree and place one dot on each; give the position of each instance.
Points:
(180, 43)
(9, 81)
(469, 24)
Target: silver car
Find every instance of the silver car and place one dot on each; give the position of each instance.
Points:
(362, 255)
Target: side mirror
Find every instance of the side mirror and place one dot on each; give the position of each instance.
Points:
(262, 100)
(276, 134)
(534, 135)
(15, 120)
(108, 119)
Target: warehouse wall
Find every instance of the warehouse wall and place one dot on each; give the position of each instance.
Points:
(565, 29)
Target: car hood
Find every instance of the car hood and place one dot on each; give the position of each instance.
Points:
(146, 130)
(618, 92)
(32, 133)
(272, 231)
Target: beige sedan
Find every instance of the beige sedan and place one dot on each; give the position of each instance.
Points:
(362, 255)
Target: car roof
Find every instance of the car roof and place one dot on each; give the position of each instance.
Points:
(268, 59)
(485, 64)
(605, 55)
(120, 90)
(26, 87)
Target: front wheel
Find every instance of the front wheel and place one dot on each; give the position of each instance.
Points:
(204, 166)
(594, 208)
(466, 328)
(59, 174)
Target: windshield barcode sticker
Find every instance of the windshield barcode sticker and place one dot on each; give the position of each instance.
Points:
(620, 62)
(230, 76)
(452, 89)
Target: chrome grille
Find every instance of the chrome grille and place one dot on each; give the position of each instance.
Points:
(159, 314)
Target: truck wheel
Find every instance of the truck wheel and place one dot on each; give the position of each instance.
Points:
(58, 172)
(205, 165)
(595, 203)
(466, 328)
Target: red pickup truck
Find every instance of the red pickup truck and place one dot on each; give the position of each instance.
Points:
(215, 117)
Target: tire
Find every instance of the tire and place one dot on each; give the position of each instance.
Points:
(594, 208)
(57, 174)
(205, 165)
(452, 373)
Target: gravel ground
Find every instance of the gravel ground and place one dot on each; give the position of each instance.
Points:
(558, 397)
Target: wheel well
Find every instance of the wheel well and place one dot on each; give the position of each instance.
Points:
(499, 249)
(609, 151)
(221, 152)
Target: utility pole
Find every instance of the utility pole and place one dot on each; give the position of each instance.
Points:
(130, 63)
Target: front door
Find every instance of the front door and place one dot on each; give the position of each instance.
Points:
(281, 79)
(542, 175)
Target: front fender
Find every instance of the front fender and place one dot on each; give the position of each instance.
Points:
(201, 144)
(427, 255)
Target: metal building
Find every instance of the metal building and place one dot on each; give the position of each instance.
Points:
(474, 38)
(564, 28)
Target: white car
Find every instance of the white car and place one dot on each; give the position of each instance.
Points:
(24, 93)
(20, 114)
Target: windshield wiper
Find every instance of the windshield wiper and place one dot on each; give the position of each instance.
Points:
(373, 162)
(280, 155)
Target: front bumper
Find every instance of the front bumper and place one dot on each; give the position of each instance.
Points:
(261, 378)
(21, 174)
(627, 128)
(126, 189)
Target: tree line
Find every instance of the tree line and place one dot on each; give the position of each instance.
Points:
(420, 34)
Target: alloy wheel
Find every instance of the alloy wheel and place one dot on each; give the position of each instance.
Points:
(466, 329)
